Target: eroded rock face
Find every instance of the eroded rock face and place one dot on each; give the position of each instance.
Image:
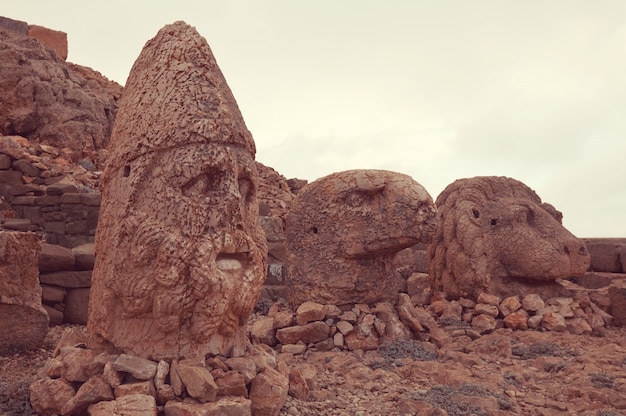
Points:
(342, 233)
(24, 321)
(496, 236)
(179, 255)
(47, 100)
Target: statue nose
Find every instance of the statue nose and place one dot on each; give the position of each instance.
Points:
(574, 247)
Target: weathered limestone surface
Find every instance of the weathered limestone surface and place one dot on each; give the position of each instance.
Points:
(24, 321)
(179, 254)
(496, 236)
(343, 231)
(50, 101)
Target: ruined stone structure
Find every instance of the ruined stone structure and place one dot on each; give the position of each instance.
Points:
(48, 100)
(343, 231)
(179, 253)
(24, 322)
(496, 236)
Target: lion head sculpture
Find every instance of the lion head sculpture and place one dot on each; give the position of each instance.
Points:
(496, 236)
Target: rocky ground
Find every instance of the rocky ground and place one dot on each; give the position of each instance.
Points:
(505, 372)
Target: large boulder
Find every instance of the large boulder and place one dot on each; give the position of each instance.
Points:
(24, 322)
(496, 236)
(52, 102)
(179, 252)
(343, 231)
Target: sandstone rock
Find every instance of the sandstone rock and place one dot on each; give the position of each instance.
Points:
(77, 364)
(510, 305)
(343, 231)
(417, 283)
(244, 366)
(483, 308)
(578, 326)
(394, 328)
(138, 367)
(309, 312)
(345, 327)
(516, 320)
(53, 39)
(311, 332)
(50, 101)
(48, 396)
(232, 383)
(532, 302)
(198, 382)
(294, 349)
(488, 299)
(138, 387)
(225, 406)
(283, 319)
(268, 392)
(23, 316)
(263, 331)
(92, 391)
(503, 239)
(127, 405)
(55, 316)
(180, 263)
(452, 312)
(484, 323)
(553, 321)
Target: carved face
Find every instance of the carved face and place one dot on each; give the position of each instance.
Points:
(496, 236)
(528, 239)
(195, 252)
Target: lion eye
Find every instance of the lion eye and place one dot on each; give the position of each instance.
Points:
(521, 216)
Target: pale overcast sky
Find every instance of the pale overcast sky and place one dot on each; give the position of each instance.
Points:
(439, 90)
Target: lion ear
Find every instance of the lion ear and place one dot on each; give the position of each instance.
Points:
(474, 215)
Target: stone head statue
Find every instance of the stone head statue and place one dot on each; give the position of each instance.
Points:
(179, 255)
(343, 231)
(496, 236)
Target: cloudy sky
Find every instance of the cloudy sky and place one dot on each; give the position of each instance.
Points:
(438, 90)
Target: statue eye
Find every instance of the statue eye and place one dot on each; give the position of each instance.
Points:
(521, 216)
(205, 183)
(246, 188)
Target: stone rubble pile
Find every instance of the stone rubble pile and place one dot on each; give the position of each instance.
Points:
(79, 380)
(317, 327)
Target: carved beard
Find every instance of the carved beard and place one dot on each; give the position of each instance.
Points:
(193, 287)
(195, 255)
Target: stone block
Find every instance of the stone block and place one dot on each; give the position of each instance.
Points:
(71, 198)
(17, 224)
(5, 161)
(53, 39)
(67, 279)
(76, 227)
(617, 294)
(132, 404)
(605, 254)
(139, 368)
(57, 227)
(46, 200)
(24, 322)
(92, 199)
(273, 227)
(84, 256)
(10, 177)
(311, 332)
(52, 294)
(55, 258)
(14, 26)
(55, 316)
(268, 392)
(76, 306)
(25, 167)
